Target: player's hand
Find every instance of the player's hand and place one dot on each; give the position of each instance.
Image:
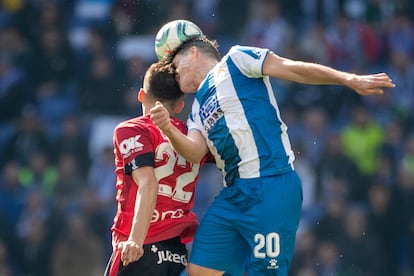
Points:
(161, 117)
(366, 85)
(130, 252)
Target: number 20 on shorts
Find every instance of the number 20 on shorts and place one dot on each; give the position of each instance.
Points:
(267, 245)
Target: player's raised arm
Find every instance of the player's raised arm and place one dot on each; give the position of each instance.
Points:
(192, 147)
(313, 73)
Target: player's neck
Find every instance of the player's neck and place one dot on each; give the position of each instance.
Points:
(207, 65)
(147, 108)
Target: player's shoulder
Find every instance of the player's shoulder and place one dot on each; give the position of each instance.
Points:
(251, 51)
(140, 122)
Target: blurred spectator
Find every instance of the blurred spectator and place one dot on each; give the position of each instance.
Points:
(135, 70)
(102, 179)
(344, 43)
(408, 156)
(14, 94)
(331, 224)
(136, 17)
(336, 168)
(406, 216)
(204, 13)
(14, 45)
(231, 19)
(400, 33)
(47, 14)
(5, 267)
(268, 28)
(313, 45)
(78, 251)
(371, 46)
(12, 196)
(72, 138)
(35, 210)
(314, 133)
(328, 258)
(70, 181)
(379, 12)
(400, 42)
(390, 157)
(54, 76)
(362, 139)
(32, 233)
(132, 81)
(94, 42)
(14, 85)
(319, 11)
(401, 70)
(39, 174)
(34, 258)
(383, 220)
(361, 249)
(53, 59)
(100, 90)
(177, 9)
(305, 251)
(97, 217)
(382, 109)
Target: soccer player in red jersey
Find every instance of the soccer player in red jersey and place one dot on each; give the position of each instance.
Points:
(155, 187)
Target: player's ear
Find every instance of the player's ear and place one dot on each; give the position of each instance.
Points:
(193, 51)
(179, 106)
(141, 95)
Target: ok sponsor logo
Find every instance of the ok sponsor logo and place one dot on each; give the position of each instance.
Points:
(130, 145)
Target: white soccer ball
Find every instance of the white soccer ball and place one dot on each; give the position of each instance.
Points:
(173, 34)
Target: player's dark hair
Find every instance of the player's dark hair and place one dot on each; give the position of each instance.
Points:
(205, 45)
(160, 82)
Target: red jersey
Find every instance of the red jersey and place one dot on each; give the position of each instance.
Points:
(137, 143)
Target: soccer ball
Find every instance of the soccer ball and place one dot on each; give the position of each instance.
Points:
(172, 34)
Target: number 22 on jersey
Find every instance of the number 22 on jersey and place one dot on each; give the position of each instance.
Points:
(177, 167)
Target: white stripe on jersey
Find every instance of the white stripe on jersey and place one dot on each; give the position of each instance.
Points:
(237, 122)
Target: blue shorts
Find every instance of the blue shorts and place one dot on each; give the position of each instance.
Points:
(251, 227)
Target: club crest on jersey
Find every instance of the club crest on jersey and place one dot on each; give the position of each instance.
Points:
(210, 112)
(130, 145)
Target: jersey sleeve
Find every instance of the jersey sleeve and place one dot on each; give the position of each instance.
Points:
(249, 60)
(134, 147)
(194, 121)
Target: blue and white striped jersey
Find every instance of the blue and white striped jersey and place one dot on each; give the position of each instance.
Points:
(236, 111)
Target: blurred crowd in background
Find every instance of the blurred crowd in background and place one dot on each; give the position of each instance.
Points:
(70, 71)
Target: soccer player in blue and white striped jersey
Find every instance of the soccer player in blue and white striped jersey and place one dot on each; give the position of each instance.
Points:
(251, 225)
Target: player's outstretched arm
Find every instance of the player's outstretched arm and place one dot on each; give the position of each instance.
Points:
(313, 73)
(192, 147)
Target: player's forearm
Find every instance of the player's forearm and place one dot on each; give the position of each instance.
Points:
(192, 148)
(144, 208)
(312, 73)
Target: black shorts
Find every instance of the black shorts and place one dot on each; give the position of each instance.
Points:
(164, 258)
